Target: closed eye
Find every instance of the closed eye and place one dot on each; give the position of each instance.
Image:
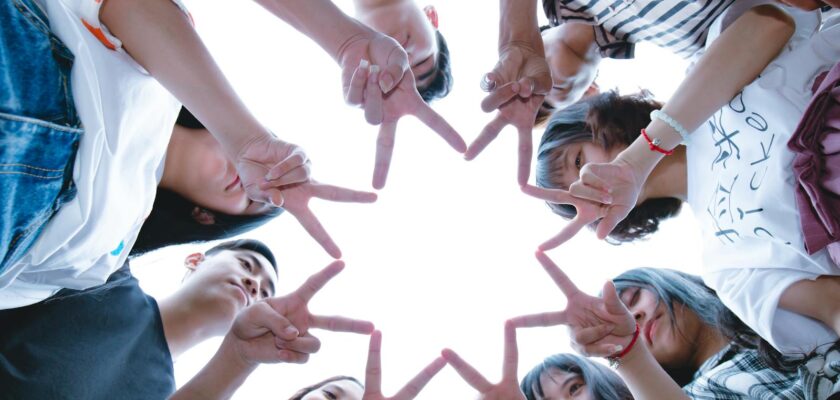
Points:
(329, 395)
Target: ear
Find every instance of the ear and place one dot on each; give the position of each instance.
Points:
(203, 216)
(592, 90)
(432, 15)
(192, 261)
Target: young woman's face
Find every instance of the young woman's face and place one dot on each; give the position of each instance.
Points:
(344, 389)
(673, 342)
(412, 28)
(563, 385)
(574, 156)
(205, 176)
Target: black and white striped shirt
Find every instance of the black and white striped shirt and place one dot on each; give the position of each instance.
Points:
(677, 25)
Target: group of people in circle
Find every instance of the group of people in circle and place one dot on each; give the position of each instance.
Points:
(119, 135)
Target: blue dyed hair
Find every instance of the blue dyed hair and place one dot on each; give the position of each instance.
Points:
(601, 382)
(674, 287)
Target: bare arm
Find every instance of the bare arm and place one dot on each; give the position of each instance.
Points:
(219, 379)
(645, 377)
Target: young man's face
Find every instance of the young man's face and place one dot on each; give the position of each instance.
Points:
(224, 283)
(412, 28)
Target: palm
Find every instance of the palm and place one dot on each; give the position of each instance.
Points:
(295, 199)
(508, 387)
(373, 374)
(269, 158)
(615, 185)
(598, 324)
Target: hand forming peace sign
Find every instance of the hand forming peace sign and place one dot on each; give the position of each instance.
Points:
(366, 87)
(295, 199)
(587, 212)
(600, 326)
(508, 387)
(373, 374)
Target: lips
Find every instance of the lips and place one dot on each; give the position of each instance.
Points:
(233, 183)
(649, 330)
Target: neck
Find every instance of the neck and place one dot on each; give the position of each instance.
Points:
(711, 342)
(668, 178)
(178, 142)
(186, 324)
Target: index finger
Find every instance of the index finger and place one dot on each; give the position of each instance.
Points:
(487, 135)
(557, 196)
(499, 96)
(317, 281)
(470, 374)
(341, 324)
(511, 360)
(540, 320)
(415, 385)
(526, 150)
(373, 370)
(569, 231)
(337, 193)
(433, 120)
(312, 226)
(557, 275)
(384, 151)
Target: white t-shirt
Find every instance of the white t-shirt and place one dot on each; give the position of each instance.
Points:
(127, 118)
(741, 189)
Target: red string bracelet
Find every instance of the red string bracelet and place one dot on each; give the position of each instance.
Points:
(654, 144)
(615, 361)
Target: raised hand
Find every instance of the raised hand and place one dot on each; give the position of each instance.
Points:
(295, 307)
(257, 331)
(616, 185)
(295, 199)
(359, 52)
(600, 326)
(266, 164)
(387, 109)
(373, 374)
(587, 212)
(508, 387)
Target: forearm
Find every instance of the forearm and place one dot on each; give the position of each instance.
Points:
(734, 60)
(161, 39)
(320, 20)
(518, 23)
(645, 377)
(219, 379)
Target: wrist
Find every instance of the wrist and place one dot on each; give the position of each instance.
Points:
(620, 357)
(230, 356)
(518, 23)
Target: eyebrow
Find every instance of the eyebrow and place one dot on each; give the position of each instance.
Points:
(428, 73)
(572, 377)
(256, 264)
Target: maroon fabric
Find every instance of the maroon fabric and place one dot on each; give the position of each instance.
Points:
(816, 165)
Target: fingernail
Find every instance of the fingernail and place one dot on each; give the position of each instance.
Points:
(292, 331)
(606, 200)
(374, 69)
(617, 348)
(363, 63)
(386, 82)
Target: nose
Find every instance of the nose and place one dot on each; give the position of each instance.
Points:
(252, 287)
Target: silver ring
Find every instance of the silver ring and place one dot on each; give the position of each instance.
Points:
(487, 85)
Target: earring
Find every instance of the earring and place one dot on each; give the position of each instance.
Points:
(432, 15)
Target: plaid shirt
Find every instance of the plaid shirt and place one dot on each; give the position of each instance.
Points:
(739, 374)
(677, 25)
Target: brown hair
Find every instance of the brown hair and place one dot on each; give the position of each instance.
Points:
(608, 120)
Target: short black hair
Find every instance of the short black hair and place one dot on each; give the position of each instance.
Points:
(245, 244)
(173, 220)
(303, 392)
(441, 85)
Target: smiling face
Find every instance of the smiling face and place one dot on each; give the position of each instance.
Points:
(674, 342)
(224, 283)
(343, 389)
(413, 29)
(563, 385)
(198, 169)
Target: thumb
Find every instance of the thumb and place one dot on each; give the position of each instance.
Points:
(614, 216)
(612, 302)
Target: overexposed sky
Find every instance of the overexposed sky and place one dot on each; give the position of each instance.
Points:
(446, 253)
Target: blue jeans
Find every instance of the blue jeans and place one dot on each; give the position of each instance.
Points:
(39, 127)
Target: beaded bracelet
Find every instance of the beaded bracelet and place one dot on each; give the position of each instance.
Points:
(615, 361)
(662, 116)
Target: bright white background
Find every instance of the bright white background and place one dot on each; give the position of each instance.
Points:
(446, 253)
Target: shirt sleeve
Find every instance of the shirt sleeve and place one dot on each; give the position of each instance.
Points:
(88, 13)
(753, 294)
(612, 47)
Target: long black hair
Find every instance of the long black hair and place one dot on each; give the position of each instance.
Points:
(176, 220)
(601, 382)
(674, 287)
